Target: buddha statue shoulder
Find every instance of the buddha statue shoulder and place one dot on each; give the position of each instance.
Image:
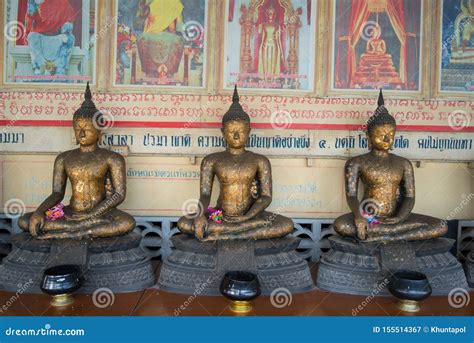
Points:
(384, 214)
(245, 180)
(98, 182)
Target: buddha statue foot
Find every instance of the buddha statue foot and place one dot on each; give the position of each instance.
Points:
(117, 263)
(195, 265)
(415, 227)
(264, 225)
(355, 267)
(114, 222)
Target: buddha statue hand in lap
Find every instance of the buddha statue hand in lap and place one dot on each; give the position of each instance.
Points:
(245, 189)
(97, 178)
(385, 212)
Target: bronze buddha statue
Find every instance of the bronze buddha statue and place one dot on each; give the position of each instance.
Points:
(385, 212)
(98, 184)
(245, 180)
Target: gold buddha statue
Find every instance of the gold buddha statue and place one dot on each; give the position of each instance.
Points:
(98, 185)
(245, 180)
(384, 213)
(375, 65)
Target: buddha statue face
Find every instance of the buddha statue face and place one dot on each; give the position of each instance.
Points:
(376, 31)
(381, 137)
(236, 133)
(271, 14)
(85, 131)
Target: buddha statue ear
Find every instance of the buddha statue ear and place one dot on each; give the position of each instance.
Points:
(369, 141)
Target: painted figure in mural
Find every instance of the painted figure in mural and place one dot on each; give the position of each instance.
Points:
(462, 47)
(375, 64)
(98, 185)
(270, 54)
(384, 213)
(161, 45)
(245, 180)
(49, 28)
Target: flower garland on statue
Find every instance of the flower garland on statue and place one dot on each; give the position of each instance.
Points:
(55, 212)
(371, 219)
(215, 214)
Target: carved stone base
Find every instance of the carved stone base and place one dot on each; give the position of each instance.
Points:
(117, 263)
(352, 267)
(198, 267)
(469, 266)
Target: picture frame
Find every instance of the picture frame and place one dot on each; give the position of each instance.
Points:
(375, 69)
(445, 33)
(308, 12)
(47, 54)
(144, 78)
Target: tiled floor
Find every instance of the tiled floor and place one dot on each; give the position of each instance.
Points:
(153, 302)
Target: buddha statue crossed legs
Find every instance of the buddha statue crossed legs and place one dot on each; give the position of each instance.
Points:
(98, 185)
(384, 214)
(245, 188)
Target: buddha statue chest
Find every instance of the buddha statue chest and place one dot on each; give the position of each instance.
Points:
(87, 175)
(382, 182)
(235, 180)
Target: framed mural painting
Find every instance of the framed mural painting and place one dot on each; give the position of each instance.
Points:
(378, 44)
(454, 74)
(50, 43)
(269, 45)
(160, 43)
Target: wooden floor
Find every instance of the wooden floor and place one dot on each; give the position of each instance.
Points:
(153, 302)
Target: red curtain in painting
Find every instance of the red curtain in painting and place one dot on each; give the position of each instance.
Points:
(397, 19)
(357, 19)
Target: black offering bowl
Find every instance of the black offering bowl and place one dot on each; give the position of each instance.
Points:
(60, 282)
(240, 287)
(410, 287)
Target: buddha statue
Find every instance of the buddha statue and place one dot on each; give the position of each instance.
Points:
(245, 180)
(375, 65)
(98, 185)
(385, 212)
(270, 53)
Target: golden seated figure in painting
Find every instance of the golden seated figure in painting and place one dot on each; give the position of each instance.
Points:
(375, 65)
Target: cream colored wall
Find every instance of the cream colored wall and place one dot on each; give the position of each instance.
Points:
(302, 188)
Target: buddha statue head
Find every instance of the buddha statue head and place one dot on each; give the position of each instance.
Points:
(236, 124)
(271, 13)
(87, 121)
(381, 127)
